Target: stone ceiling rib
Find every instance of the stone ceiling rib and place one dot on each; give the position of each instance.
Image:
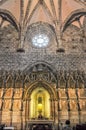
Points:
(21, 12)
(40, 16)
(2, 2)
(36, 6)
(33, 4)
(47, 9)
(12, 6)
(68, 7)
(43, 9)
(53, 8)
(81, 3)
(27, 10)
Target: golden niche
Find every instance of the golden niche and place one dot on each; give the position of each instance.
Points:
(40, 103)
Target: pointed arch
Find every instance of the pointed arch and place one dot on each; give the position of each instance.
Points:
(73, 17)
(34, 85)
(8, 16)
(43, 4)
(35, 27)
(50, 67)
(27, 10)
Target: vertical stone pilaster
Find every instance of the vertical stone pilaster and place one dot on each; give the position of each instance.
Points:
(12, 101)
(21, 23)
(59, 22)
(51, 109)
(58, 103)
(2, 21)
(22, 103)
(28, 109)
(4, 91)
(78, 105)
(56, 112)
(68, 99)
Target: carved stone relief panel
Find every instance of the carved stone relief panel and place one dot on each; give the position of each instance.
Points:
(18, 93)
(73, 105)
(82, 92)
(62, 93)
(82, 104)
(16, 105)
(71, 93)
(7, 104)
(63, 104)
(8, 93)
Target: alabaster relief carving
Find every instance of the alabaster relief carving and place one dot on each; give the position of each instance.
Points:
(62, 93)
(16, 104)
(8, 93)
(82, 104)
(73, 105)
(71, 92)
(6, 104)
(18, 92)
(82, 92)
(63, 105)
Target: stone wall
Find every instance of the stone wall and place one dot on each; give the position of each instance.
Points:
(21, 61)
(9, 39)
(73, 40)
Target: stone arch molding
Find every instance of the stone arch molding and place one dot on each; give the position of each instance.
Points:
(40, 74)
(8, 16)
(42, 71)
(70, 17)
(48, 87)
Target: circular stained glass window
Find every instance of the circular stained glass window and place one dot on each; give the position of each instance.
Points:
(40, 40)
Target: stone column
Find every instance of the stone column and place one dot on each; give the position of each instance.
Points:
(78, 105)
(52, 107)
(22, 105)
(56, 113)
(12, 101)
(0, 116)
(51, 111)
(59, 24)
(29, 108)
(2, 21)
(21, 44)
(4, 91)
(26, 111)
(68, 99)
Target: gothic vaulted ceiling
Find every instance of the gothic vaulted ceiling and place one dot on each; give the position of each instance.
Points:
(31, 11)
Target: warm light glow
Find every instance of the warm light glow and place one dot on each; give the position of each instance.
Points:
(37, 106)
(40, 107)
